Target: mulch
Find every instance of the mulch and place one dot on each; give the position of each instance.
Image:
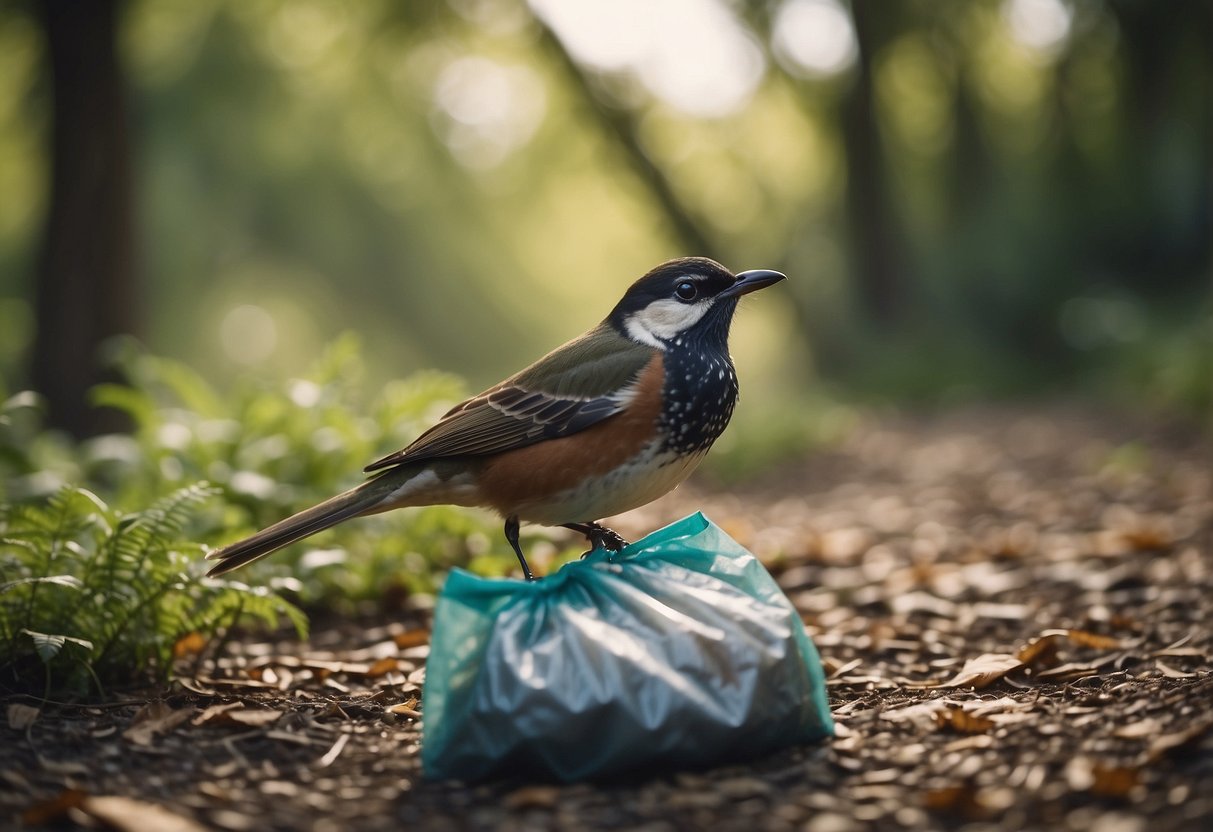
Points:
(1013, 609)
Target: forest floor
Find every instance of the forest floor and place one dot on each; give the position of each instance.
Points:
(1013, 609)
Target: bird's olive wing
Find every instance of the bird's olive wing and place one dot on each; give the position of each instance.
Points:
(567, 391)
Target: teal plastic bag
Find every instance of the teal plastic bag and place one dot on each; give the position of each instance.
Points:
(678, 651)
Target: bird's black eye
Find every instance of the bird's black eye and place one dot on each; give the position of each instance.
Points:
(686, 290)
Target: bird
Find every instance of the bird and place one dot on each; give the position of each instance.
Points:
(608, 422)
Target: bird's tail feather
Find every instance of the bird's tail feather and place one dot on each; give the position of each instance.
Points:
(308, 522)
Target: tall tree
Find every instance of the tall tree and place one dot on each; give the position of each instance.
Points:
(878, 261)
(86, 288)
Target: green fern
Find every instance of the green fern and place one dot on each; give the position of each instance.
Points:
(97, 599)
(101, 542)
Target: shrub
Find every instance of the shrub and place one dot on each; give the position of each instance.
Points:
(101, 542)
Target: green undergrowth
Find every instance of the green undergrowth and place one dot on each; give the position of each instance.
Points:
(91, 597)
(102, 542)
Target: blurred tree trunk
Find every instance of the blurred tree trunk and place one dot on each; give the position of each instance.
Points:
(620, 128)
(85, 273)
(1166, 120)
(878, 260)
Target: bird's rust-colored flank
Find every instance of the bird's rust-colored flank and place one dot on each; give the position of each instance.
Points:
(515, 479)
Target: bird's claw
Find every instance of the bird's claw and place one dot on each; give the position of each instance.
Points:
(604, 538)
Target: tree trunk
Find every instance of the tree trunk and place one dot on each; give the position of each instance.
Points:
(877, 257)
(85, 273)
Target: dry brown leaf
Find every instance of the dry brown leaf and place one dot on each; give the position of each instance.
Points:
(1076, 670)
(962, 800)
(532, 797)
(1147, 727)
(1040, 652)
(253, 718)
(190, 644)
(46, 812)
(407, 708)
(982, 671)
(842, 669)
(213, 711)
(412, 638)
(1172, 673)
(382, 668)
(1113, 781)
(1180, 739)
(21, 716)
(126, 815)
(1148, 537)
(962, 722)
(232, 683)
(1181, 653)
(153, 719)
(922, 712)
(1084, 638)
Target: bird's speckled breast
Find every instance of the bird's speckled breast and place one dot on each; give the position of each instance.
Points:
(700, 394)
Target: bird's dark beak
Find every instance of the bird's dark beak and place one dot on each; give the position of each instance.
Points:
(752, 281)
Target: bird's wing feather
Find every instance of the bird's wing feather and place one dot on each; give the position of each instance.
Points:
(567, 391)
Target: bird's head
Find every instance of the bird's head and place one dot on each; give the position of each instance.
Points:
(684, 297)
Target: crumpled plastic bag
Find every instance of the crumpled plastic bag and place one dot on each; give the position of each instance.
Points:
(678, 651)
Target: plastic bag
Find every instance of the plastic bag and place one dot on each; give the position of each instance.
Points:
(680, 650)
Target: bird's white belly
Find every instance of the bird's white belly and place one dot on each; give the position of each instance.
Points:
(642, 479)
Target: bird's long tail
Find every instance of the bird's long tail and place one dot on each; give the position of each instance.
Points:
(361, 500)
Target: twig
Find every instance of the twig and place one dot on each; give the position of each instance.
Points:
(334, 752)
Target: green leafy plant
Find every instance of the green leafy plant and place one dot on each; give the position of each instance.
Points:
(94, 597)
(102, 542)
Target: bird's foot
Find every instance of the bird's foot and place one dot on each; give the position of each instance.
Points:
(599, 536)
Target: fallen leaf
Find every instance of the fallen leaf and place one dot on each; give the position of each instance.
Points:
(231, 683)
(408, 709)
(213, 711)
(127, 815)
(1147, 727)
(1181, 652)
(46, 812)
(532, 797)
(982, 671)
(412, 638)
(962, 722)
(190, 644)
(1172, 673)
(1084, 638)
(382, 668)
(1040, 652)
(1076, 670)
(152, 720)
(962, 800)
(922, 711)
(252, 717)
(21, 716)
(1113, 781)
(1180, 739)
(1148, 537)
(839, 670)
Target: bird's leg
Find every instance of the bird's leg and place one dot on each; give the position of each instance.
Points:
(511, 534)
(599, 535)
